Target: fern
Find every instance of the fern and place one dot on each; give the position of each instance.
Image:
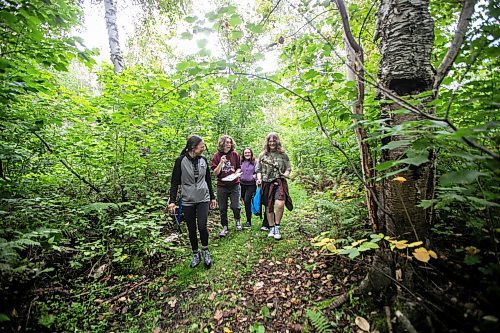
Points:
(319, 322)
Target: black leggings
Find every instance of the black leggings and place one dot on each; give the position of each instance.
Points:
(197, 212)
(247, 192)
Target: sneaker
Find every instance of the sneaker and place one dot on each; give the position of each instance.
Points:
(196, 259)
(238, 225)
(224, 231)
(271, 232)
(277, 234)
(206, 258)
(248, 225)
(264, 228)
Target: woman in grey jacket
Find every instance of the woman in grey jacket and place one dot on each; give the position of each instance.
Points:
(192, 173)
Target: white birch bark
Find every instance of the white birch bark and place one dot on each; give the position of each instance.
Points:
(110, 15)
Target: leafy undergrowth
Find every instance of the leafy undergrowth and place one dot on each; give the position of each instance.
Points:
(256, 284)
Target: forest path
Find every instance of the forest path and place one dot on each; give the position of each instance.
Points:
(256, 284)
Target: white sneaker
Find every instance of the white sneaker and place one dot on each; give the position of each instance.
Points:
(271, 232)
(277, 234)
(223, 232)
(238, 226)
(264, 228)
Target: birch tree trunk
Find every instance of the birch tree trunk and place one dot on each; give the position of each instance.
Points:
(406, 30)
(114, 41)
(355, 72)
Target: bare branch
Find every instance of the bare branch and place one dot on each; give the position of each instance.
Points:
(347, 29)
(67, 166)
(458, 39)
(264, 20)
(366, 19)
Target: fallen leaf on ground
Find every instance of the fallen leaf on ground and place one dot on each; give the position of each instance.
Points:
(362, 323)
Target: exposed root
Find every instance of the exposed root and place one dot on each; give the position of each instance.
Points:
(405, 322)
(377, 279)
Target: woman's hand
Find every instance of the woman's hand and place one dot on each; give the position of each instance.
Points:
(258, 182)
(213, 204)
(171, 207)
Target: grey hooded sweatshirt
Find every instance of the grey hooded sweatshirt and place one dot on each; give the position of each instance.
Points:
(193, 175)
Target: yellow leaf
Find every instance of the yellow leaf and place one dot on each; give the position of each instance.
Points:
(399, 179)
(359, 242)
(362, 323)
(421, 254)
(227, 330)
(401, 245)
(472, 250)
(433, 254)
(331, 247)
(415, 244)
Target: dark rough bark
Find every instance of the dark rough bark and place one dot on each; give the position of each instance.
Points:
(406, 30)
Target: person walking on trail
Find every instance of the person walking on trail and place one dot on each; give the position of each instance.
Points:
(248, 185)
(226, 167)
(273, 168)
(192, 174)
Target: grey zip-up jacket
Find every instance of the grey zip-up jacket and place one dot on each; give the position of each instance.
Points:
(193, 175)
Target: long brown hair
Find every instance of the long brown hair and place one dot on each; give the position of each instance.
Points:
(279, 147)
(242, 157)
(222, 142)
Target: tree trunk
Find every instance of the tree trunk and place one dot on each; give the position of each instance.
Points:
(114, 41)
(355, 72)
(406, 30)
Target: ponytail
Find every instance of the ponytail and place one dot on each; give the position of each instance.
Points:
(191, 143)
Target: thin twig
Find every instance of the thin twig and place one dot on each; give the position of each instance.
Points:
(264, 19)
(135, 286)
(364, 21)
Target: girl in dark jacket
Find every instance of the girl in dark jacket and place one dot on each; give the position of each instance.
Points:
(192, 173)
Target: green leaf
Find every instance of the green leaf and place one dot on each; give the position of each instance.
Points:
(310, 74)
(461, 177)
(235, 20)
(386, 165)
(186, 35)
(368, 246)
(472, 260)
(415, 160)
(190, 19)
(482, 202)
(202, 43)
(255, 28)
(237, 34)
(4, 317)
(426, 204)
(396, 144)
(353, 253)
